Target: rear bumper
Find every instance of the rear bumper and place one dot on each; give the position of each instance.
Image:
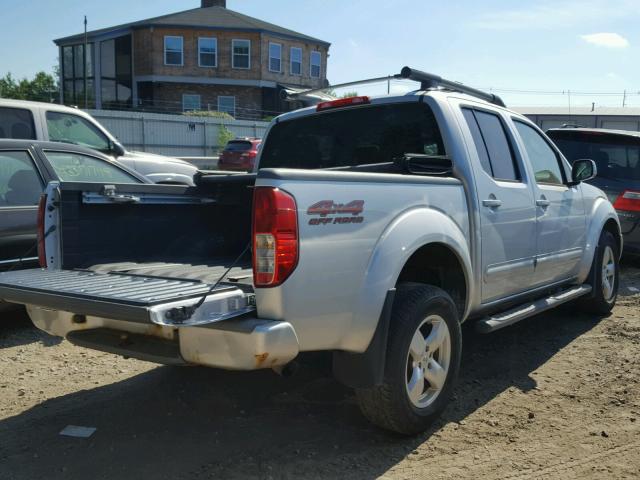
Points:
(238, 344)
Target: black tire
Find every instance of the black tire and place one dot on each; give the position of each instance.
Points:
(599, 301)
(388, 405)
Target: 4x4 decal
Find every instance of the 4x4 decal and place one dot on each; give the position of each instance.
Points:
(325, 209)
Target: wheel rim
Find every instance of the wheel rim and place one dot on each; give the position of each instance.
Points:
(428, 361)
(608, 273)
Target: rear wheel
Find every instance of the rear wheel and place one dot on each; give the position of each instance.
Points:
(604, 271)
(423, 357)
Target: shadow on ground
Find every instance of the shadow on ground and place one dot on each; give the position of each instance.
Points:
(16, 328)
(192, 422)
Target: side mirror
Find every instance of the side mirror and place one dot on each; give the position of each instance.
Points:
(117, 149)
(583, 170)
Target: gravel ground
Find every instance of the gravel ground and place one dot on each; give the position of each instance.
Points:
(557, 396)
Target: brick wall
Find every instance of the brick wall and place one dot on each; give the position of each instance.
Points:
(285, 76)
(168, 96)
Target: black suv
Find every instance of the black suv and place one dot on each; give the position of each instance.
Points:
(617, 156)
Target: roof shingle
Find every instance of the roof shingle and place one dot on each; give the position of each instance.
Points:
(210, 17)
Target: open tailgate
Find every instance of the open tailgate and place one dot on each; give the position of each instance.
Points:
(125, 296)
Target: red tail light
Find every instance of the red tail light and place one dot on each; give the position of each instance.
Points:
(275, 236)
(628, 201)
(42, 253)
(343, 102)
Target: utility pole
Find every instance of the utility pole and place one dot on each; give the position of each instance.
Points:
(86, 94)
(624, 98)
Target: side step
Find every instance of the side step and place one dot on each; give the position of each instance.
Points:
(504, 319)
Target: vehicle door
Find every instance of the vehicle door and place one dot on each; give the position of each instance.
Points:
(20, 187)
(507, 212)
(561, 222)
(70, 128)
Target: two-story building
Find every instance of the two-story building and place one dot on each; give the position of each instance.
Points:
(207, 58)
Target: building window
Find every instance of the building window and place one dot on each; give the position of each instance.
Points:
(73, 74)
(173, 51)
(116, 73)
(296, 61)
(316, 60)
(191, 102)
(275, 57)
(207, 52)
(227, 105)
(241, 54)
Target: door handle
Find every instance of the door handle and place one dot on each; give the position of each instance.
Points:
(492, 202)
(543, 202)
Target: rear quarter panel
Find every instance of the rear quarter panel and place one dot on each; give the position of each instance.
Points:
(335, 295)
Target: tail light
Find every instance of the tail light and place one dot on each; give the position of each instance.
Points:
(628, 201)
(42, 253)
(342, 102)
(275, 236)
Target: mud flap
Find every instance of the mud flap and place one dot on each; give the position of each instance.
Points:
(364, 370)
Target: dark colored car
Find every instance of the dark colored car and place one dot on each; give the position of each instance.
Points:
(240, 154)
(26, 166)
(617, 156)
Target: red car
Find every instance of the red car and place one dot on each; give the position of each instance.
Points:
(239, 154)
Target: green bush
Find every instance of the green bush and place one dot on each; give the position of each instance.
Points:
(209, 114)
(224, 136)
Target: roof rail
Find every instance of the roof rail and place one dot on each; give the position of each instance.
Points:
(429, 80)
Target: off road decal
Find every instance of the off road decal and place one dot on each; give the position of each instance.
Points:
(325, 209)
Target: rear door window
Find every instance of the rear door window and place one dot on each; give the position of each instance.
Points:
(17, 123)
(351, 137)
(75, 167)
(20, 182)
(69, 128)
(489, 135)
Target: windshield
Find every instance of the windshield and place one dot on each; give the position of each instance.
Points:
(353, 136)
(617, 156)
(69, 128)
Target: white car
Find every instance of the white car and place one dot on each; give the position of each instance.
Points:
(24, 120)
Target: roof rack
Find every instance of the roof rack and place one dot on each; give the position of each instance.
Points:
(427, 81)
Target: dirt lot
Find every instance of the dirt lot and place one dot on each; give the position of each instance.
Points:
(557, 396)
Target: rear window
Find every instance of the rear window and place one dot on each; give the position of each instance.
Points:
(617, 156)
(240, 146)
(16, 123)
(75, 167)
(351, 137)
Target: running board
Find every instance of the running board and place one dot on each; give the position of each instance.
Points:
(504, 319)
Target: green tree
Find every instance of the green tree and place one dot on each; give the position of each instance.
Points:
(43, 87)
(224, 135)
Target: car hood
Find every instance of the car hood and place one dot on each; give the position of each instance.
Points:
(146, 156)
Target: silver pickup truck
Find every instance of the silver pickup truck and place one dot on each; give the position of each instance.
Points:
(373, 228)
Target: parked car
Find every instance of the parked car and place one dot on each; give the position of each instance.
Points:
(20, 119)
(373, 228)
(617, 157)
(26, 167)
(240, 154)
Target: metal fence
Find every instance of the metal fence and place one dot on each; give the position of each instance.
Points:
(174, 135)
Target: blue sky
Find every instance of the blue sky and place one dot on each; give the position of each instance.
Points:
(589, 46)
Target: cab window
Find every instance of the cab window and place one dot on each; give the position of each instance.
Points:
(17, 123)
(75, 167)
(69, 128)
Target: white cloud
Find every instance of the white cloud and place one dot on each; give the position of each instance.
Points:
(551, 14)
(609, 40)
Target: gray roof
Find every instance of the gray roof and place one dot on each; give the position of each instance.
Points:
(211, 17)
(627, 133)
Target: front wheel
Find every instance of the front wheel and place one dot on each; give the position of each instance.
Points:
(422, 362)
(605, 272)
